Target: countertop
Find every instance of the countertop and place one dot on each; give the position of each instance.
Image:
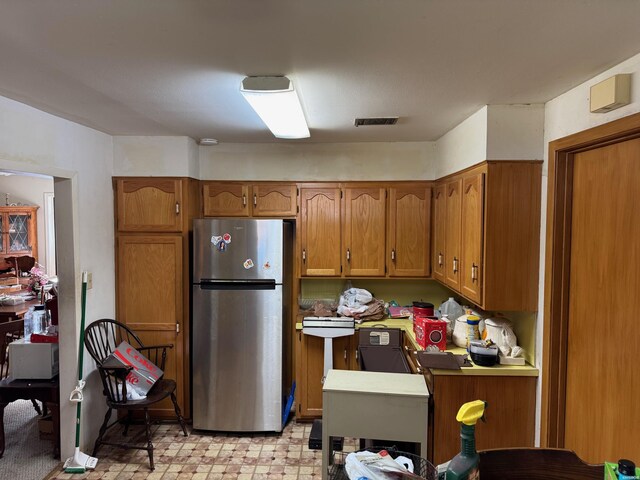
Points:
(525, 370)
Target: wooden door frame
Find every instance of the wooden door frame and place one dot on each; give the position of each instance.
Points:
(558, 262)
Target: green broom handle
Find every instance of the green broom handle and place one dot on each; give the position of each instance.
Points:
(83, 304)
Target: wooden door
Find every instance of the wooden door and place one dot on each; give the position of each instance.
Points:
(472, 236)
(310, 365)
(149, 204)
(452, 233)
(271, 200)
(149, 299)
(225, 199)
(320, 232)
(409, 231)
(364, 231)
(601, 414)
(439, 224)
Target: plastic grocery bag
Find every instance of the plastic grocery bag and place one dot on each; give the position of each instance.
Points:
(378, 466)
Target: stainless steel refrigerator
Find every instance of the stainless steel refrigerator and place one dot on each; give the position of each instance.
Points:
(241, 297)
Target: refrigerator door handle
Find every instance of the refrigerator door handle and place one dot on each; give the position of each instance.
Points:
(215, 284)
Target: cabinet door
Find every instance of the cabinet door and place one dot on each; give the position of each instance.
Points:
(439, 223)
(225, 200)
(274, 200)
(149, 299)
(409, 231)
(364, 231)
(310, 364)
(320, 232)
(452, 235)
(471, 255)
(149, 204)
(18, 227)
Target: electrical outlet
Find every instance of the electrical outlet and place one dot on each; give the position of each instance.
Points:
(89, 280)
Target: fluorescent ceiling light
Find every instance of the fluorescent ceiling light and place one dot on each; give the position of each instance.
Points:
(276, 103)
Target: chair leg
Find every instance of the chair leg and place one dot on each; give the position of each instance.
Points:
(103, 430)
(127, 422)
(36, 406)
(179, 415)
(147, 422)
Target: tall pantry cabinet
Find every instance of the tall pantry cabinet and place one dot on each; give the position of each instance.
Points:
(153, 221)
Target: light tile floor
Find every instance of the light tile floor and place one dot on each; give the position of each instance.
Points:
(203, 456)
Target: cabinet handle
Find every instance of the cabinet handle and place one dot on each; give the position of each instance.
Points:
(177, 208)
(393, 255)
(345, 354)
(255, 200)
(455, 265)
(440, 259)
(356, 354)
(244, 200)
(474, 272)
(348, 255)
(304, 256)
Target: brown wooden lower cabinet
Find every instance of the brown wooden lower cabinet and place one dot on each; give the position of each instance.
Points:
(310, 369)
(510, 413)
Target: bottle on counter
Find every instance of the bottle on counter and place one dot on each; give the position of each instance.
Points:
(473, 328)
(28, 324)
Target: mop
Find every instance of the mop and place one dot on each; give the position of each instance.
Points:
(80, 462)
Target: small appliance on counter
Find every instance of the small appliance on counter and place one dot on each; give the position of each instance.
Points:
(483, 353)
(431, 333)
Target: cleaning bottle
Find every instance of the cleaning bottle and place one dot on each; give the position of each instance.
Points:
(464, 466)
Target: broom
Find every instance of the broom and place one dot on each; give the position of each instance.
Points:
(80, 462)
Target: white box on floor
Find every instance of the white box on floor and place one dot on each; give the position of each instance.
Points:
(33, 360)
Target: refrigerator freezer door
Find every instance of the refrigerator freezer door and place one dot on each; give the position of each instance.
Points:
(237, 249)
(237, 359)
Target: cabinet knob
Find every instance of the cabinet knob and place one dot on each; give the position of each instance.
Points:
(244, 200)
(393, 255)
(177, 208)
(255, 200)
(348, 255)
(304, 256)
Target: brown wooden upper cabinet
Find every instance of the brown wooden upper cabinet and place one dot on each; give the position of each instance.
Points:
(236, 199)
(319, 231)
(408, 237)
(490, 216)
(365, 229)
(439, 225)
(149, 204)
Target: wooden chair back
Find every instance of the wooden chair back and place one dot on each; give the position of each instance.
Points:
(536, 464)
(9, 331)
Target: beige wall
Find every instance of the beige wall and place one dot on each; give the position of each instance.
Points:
(29, 190)
(316, 161)
(35, 142)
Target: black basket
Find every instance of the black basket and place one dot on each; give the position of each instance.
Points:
(421, 466)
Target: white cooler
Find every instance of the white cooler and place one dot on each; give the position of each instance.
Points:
(32, 360)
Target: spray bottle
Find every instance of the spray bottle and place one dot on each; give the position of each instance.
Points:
(464, 466)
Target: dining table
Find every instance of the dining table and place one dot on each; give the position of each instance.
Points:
(14, 312)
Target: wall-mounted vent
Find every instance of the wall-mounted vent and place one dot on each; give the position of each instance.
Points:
(360, 122)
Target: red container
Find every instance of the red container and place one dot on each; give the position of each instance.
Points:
(435, 333)
(422, 309)
(419, 329)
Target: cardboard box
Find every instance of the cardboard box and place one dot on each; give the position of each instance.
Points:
(144, 374)
(33, 360)
(45, 427)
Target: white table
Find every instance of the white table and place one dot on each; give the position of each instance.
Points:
(390, 406)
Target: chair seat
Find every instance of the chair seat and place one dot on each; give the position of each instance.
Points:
(161, 390)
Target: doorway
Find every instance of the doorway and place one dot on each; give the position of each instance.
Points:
(592, 293)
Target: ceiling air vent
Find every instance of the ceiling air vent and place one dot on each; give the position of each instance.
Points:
(376, 121)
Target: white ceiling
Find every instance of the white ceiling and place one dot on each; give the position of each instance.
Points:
(173, 67)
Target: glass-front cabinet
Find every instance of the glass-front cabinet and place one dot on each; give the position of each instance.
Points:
(18, 231)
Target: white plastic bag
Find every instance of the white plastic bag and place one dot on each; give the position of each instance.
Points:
(378, 466)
